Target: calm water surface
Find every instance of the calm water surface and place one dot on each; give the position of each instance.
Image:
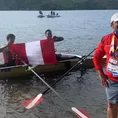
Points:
(82, 30)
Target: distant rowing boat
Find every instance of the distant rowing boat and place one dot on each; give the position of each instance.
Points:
(52, 16)
(20, 71)
(40, 16)
(48, 16)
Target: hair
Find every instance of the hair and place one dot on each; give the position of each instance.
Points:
(111, 24)
(10, 36)
(48, 30)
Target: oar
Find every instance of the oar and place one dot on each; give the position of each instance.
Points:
(71, 55)
(65, 50)
(79, 62)
(28, 104)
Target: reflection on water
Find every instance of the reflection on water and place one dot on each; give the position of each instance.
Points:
(85, 93)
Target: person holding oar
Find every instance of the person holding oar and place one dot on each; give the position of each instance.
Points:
(7, 56)
(109, 47)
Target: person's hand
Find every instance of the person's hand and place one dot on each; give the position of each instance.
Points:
(55, 50)
(103, 78)
(54, 37)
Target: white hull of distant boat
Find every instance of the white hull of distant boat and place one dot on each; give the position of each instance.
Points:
(52, 16)
(40, 16)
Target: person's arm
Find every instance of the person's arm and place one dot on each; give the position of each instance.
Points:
(5, 46)
(97, 59)
(57, 39)
(103, 78)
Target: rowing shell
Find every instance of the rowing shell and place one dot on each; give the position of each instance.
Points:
(64, 65)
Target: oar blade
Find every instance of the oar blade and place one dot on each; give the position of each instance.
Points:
(80, 113)
(28, 104)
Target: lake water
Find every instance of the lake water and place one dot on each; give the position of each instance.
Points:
(82, 30)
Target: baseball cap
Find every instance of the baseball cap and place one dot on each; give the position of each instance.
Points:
(114, 17)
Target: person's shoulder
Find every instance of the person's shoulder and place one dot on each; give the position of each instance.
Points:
(6, 49)
(4, 45)
(107, 36)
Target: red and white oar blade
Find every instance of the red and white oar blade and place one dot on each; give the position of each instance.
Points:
(28, 104)
(80, 113)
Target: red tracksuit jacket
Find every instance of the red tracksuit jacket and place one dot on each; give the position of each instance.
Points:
(105, 46)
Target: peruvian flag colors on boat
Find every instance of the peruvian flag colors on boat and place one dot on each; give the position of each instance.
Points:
(35, 53)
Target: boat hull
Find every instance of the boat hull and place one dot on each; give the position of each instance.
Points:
(40, 16)
(20, 71)
(52, 16)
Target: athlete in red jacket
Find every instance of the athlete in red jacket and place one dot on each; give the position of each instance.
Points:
(109, 47)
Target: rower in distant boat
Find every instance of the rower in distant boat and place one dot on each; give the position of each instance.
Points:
(40, 12)
(54, 13)
(51, 12)
(7, 54)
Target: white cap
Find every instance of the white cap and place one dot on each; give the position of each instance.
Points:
(114, 17)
